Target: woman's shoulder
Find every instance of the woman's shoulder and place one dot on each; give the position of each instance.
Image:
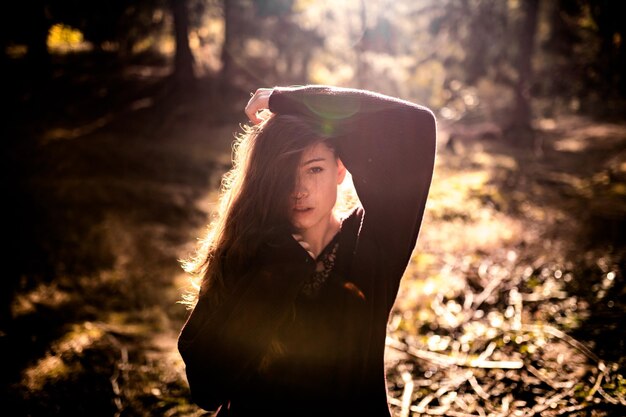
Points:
(351, 222)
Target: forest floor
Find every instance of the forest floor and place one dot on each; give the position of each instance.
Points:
(512, 303)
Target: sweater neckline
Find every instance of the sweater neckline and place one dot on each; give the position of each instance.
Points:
(324, 250)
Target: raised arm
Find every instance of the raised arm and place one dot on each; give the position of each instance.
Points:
(387, 144)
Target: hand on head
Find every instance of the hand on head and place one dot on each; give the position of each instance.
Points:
(258, 103)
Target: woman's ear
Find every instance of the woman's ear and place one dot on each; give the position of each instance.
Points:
(341, 171)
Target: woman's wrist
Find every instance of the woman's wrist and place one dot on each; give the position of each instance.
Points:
(258, 102)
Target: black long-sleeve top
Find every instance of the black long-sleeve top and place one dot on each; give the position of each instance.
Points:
(272, 348)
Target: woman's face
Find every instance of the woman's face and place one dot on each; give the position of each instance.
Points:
(315, 193)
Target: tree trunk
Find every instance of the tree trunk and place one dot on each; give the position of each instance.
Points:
(229, 39)
(522, 114)
(360, 47)
(612, 54)
(39, 63)
(183, 60)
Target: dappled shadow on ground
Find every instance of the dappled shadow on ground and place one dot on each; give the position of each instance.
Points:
(106, 183)
(580, 175)
(512, 303)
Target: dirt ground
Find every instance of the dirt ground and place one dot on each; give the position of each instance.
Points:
(512, 303)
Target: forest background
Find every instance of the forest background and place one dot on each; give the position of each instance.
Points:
(118, 123)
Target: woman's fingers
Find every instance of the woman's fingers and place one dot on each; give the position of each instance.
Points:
(259, 101)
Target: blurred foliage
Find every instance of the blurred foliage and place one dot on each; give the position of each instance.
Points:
(421, 50)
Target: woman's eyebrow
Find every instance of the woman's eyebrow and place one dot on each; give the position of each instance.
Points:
(310, 161)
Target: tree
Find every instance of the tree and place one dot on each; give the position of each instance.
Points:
(361, 66)
(609, 18)
(522, 113)
(236, 20)
(27, 24)
(183, 60)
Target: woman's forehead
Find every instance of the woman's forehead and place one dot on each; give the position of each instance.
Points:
(319, 150)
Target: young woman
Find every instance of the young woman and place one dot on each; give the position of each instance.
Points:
(292, 312)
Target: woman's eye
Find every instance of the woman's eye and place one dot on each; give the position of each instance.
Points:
(315, 170)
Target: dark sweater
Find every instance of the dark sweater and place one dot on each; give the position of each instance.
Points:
(270, 349)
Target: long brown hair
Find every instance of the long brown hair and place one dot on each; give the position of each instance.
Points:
(254, 199)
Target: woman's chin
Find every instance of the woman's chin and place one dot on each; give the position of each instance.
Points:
(301, 225)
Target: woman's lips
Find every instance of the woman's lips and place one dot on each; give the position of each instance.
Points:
(302, 209)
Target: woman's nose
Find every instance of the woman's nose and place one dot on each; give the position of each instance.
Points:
(299, 194)
(300, 191)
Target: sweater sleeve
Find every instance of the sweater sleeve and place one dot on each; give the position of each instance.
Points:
(222, 346)
(388, 145)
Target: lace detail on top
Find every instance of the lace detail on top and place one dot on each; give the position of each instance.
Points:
(323, 268)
